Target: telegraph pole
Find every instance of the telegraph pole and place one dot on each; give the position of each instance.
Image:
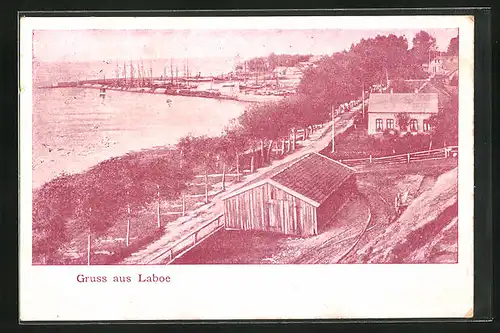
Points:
(363, 98)
(333, 128)
(128, 222)
(89, 237)
(158, 210)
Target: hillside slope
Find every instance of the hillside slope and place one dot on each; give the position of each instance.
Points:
(427, 232)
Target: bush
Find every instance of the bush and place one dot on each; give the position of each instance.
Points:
(97, 198)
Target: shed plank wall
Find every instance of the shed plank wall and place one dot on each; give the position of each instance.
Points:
(326, 211)
(256, 210)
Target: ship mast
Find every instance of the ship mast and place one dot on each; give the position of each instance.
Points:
(187, 72)
(171, 72)
(151, 72)
(177, 76)
(131, 73)
(124, 73)
(143, 76)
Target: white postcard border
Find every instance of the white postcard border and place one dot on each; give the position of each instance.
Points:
(252, 291)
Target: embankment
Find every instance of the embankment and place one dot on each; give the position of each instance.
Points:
(426, 232)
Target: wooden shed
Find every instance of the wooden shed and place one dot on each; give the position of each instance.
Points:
(296, 198)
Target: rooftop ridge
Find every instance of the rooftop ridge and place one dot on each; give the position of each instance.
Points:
(339, 163)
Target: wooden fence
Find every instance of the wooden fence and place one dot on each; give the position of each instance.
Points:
(451, 151)
(189, 241)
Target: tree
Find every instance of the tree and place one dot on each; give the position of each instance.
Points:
(402, 120)
(453, 47)
(423, 47)
(400, 86)
(444, 125)
(339, 78)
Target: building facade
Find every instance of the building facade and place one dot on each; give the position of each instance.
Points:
(296, 198)
(383, 110)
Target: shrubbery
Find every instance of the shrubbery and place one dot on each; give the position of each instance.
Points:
(97, 198)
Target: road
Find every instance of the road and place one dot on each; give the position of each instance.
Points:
(176, 229)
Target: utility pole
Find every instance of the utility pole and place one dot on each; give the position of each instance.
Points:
(333, 128)
(171, 73)
(363, 98)
(128, 221)
(158, 210)
(89, 236)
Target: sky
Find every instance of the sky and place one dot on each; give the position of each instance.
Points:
(110, 45)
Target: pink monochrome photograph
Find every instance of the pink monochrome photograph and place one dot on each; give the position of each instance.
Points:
(211, 161)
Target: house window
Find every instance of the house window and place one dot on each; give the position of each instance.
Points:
(390, 123)
(379, 125)
(414, 125)
(427, 126)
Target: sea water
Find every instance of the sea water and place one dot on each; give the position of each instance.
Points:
(74, 128)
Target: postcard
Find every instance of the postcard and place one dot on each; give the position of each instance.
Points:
(221, 168)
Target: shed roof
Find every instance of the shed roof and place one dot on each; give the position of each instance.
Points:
(408, 103)
(312, 178)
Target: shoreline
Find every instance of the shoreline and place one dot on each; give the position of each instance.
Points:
(100, 132)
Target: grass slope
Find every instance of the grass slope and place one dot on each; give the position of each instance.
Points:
(425, 233)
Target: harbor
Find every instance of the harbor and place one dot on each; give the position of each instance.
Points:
(241, 85)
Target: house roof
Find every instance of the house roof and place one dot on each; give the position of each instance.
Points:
(410, 85)
(407, 103)
(435, 86)
(312, 178)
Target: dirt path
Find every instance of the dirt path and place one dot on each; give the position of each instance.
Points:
(382, 215)
(176, 229)
(334, 248)
(380, 195)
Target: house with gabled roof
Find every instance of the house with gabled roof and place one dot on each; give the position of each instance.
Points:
(299, 197)
(438, 86)
(441, 65)
(383, 110)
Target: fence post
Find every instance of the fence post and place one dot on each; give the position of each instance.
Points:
(206, 185)
(183, 204)
(371, 158)
(237, 167)
(408, 157)
(223, 179)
